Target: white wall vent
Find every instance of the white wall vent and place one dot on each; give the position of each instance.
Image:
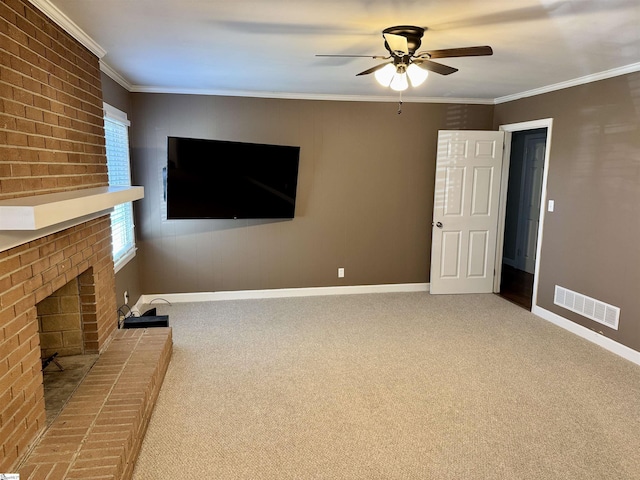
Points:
(588, 307)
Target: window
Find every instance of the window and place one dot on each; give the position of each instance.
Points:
(116, 134)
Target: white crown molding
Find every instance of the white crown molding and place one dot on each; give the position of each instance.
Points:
(115, 76)
(55, 14)
(614, 72)
(307, 96)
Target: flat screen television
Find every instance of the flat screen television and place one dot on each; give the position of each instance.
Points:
(221, 179)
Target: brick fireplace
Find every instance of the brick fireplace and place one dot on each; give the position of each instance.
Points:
(52, 140)
(31, 276)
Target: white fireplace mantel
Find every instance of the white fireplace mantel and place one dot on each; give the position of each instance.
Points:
(28, 218)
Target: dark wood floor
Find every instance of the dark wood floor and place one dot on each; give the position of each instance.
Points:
(516, 286)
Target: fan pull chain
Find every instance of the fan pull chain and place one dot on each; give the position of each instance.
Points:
(400, 104)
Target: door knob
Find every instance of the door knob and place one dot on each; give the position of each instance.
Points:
(438, 224)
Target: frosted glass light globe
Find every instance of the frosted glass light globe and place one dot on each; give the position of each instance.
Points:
(385, 74)
(417, 75)
(399, 82)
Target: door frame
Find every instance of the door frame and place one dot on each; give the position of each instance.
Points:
(504, 182)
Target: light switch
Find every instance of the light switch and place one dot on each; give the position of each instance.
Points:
(551, 206)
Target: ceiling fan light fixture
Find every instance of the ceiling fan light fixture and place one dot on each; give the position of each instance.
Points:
(385, 75)
(406, 64)
(416, 75)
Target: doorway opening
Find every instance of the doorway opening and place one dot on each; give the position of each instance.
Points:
(522, 215)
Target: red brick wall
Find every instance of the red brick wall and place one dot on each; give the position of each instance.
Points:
(51, 140)
(51, 127)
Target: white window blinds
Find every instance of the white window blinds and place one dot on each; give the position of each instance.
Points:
(117, 143)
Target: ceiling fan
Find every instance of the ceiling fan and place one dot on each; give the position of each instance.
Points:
(402, 43)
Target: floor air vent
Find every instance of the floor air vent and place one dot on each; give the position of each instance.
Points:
(589, 307)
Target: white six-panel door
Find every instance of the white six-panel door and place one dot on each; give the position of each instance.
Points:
(465, 211)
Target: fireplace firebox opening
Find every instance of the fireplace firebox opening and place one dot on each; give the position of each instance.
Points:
(65, 320)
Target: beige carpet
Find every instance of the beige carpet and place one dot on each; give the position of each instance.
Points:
(388, 386)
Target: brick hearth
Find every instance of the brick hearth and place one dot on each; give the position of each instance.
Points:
(100, 431)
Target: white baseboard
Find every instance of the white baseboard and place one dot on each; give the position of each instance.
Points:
(281, 293)
(594, 337)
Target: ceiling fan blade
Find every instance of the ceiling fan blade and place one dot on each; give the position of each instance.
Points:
(353, 56)
(435, 67)
(397, 44)
(458, 52)
(373, 69)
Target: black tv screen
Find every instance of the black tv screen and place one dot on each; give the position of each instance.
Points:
(222, 179)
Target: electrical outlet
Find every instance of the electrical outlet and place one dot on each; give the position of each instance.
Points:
(341, 272)
(126, 297)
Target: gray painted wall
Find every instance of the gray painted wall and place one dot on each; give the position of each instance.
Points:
(590, 242)
(365, 193)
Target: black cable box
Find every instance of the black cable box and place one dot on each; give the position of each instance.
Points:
(146, 321)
